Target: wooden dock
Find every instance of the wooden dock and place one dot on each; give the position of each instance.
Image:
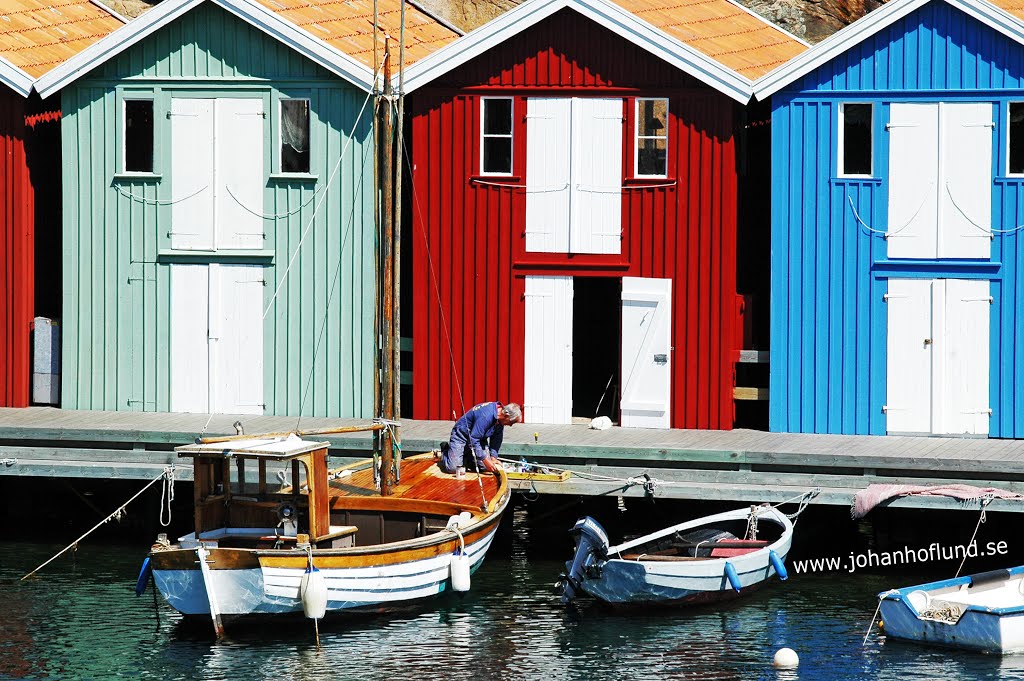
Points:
(738, 465)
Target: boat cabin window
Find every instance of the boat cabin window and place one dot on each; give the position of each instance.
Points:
(295, 136)
(1015, 143)
(496, 136)
(138, 135)
(855, 139)
(651, 138)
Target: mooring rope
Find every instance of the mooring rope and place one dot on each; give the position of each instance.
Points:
(167, 493)
(871, 624)
(116, 514)
(985, 501)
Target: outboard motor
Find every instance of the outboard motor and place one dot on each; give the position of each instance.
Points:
(591, 547)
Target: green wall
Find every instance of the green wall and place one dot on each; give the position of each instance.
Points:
(117, 251)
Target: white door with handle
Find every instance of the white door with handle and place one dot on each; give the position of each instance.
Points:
(646, 352)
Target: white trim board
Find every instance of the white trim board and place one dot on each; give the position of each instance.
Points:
(870, 24)
(167, 11)
(602, 12)
(15, 78)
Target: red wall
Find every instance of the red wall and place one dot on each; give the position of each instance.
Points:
(16, 254)
(467, 238)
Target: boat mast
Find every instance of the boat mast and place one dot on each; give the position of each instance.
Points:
(388, 281)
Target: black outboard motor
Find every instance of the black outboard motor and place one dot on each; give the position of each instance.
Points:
(591, 547)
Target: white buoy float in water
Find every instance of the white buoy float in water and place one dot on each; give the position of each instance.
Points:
(460, 560)
(786, 658)
(313, 593)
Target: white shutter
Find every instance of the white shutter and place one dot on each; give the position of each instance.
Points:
(240, 181)
(547, 389)
(189, 316)
(968, 313)
(646, 352)
(910, 349)
(236, 330)
(548, 139)
(965, 197)
(191, 181)
(913, 180)
(596, 202)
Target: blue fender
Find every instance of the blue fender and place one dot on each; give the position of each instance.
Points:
(780, 567)
(144, 574)
(734, 579)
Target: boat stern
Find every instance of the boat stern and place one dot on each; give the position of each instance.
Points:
(591, 550)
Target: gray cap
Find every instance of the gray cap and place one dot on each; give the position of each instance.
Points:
(512, 412)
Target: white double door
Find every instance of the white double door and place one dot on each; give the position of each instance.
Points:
(940, 180)
(574, 175)
(217, 173)
(938, 356)
(216, 350)
(646, 360)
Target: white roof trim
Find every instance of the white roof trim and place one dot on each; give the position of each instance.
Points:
(167, 11)
(602, 12)
(15, 78)
(872, 23)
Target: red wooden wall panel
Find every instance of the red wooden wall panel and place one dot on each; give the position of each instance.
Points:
(468, 241)
(16, 254)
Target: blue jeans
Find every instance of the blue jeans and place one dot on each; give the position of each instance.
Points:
(455, 456)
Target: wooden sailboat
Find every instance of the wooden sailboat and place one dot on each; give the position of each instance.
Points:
(277, 531)
(268, 511)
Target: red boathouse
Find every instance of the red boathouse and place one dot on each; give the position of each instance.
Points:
(573, 213)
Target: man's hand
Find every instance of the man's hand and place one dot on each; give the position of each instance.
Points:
(491, 464)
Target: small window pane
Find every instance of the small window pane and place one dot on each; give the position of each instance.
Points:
(294, 135)
(497, 154)
(497, 116)
(857, 139)
(138, 135)
(1016, 138)
(652, 137)
(496, 135)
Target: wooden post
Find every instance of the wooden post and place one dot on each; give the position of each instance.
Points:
(387, 269)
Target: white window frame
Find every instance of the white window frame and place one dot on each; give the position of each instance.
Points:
(637, 137)
(841, 142)
(280, 134)
(140, 97)
(1009, 128)
(510, 136)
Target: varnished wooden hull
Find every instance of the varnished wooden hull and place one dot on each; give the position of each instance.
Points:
(251, 581)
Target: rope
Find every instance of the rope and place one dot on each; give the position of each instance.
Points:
(988, 230)
(316, 209)
(871, 624)
(985, 501)
(167, 491)
(882, 231)
(275, 216)
(433, 280)
(158, 202)
(116, 514)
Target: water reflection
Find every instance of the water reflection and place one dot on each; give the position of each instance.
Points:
(80, 620)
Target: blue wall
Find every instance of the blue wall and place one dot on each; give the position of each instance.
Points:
(829, 272)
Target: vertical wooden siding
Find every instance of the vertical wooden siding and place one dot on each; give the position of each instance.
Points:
(16, 254)
(116, 312)
(467, 237)
(828, 316)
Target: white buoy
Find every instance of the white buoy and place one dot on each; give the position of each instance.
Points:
(313, 594)
(786, 658)
(460, 572)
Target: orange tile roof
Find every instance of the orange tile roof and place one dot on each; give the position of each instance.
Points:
(1014, 7)
(348, 26)
(36, 35)
(722, 30)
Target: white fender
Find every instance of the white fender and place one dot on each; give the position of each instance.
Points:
(313, 593)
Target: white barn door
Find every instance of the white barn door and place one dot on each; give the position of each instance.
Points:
(938, 356)
(940, 180)
(548, 139)
(596, 225)
(192, 178)
(547, 389)
(216, 351)
(646, 352)
(239, 173)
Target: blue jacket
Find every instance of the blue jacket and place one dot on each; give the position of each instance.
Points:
(478, 425)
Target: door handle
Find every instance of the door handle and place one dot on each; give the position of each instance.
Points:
(927, 341)
(661, 358)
